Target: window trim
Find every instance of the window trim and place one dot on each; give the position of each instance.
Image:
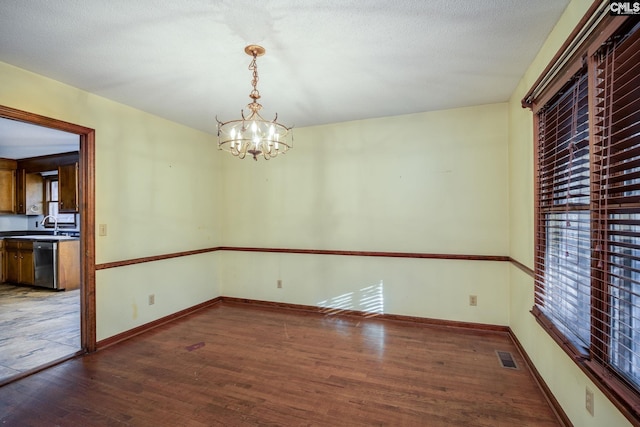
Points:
(48, 223)
(625, 398)
(585, 33)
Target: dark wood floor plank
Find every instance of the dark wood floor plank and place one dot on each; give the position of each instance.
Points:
(243, 365)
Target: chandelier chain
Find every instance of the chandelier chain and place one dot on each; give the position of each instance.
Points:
(253, 66)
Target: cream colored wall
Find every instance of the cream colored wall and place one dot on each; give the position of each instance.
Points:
(437, 289)
(176, 283)
(563, 377)
(157, 189)
(431, 183)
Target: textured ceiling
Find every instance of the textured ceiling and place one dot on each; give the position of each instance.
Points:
(327, 60)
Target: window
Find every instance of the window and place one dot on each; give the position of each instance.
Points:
(587, 266)
(616, 205)
(564, 210)
(64, 220)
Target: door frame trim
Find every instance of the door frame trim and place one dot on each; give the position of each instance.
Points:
(86, 184)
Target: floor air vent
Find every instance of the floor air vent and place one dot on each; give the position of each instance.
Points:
(506, 359)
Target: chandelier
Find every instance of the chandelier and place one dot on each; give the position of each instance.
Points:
(254, 135)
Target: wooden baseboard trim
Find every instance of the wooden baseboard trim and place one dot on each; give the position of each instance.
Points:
(326, 311)
(363, 314)
(553, 402)
(102, 344)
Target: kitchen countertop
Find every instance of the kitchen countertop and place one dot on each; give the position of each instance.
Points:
(41, 237)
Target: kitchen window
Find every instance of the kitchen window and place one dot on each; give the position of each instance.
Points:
(587, 201)
(51, 194)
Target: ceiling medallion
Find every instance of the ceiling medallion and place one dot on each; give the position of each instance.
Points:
(254, 135)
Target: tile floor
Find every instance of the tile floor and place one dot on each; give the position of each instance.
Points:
(37, 326)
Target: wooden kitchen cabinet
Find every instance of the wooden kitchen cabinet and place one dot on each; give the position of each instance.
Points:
(12, 262)
(68, 188)
(20, 267)
(26, 264)
(29, 193)
(68, 268)
(19, 262)
(2, 261)
(21, 188)
(7, 186)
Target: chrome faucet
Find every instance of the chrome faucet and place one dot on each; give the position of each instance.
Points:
(55, 223)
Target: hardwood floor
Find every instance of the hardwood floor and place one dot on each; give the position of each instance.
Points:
(37, 326)
(241, 365)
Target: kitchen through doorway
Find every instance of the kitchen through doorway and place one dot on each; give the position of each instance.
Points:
(40, 326)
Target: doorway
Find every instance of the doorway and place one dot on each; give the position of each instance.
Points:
(86, 190)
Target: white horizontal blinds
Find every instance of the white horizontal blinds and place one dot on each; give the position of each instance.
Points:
(616, 203)
(563, 259)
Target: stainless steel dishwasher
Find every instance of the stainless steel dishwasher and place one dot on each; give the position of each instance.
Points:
(45, 261)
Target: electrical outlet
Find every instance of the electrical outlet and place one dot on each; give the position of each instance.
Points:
(473, 300)
(279, 283)
(152, 299)
(588, 401)
(102, 230)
